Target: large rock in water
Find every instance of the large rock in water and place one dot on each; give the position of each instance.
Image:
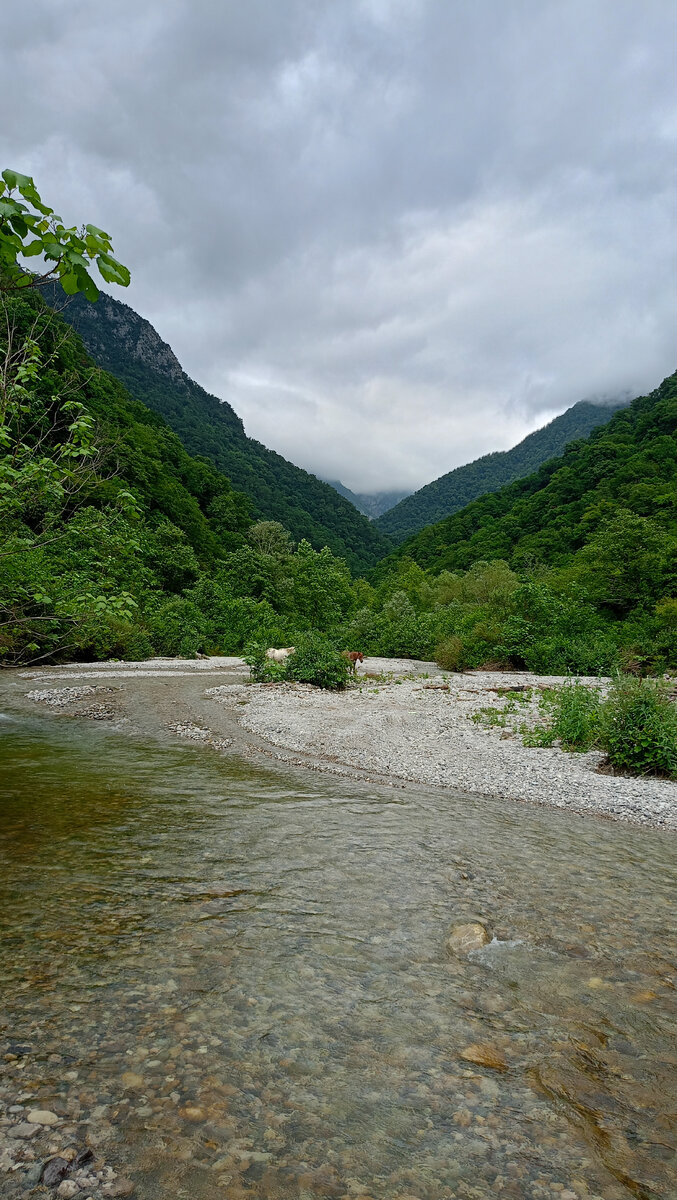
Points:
(464, 938)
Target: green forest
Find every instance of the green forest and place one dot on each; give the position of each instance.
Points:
(459, 487)
(120, 543)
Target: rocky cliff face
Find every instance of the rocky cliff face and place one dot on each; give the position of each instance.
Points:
(134, 336)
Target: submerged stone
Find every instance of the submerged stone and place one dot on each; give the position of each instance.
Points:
(464, 938)
(131, 1080)
(55, 1170)
(83, 1157)
(485, 1056)
(119, 1188)
(68, 1188)
(23, 1130)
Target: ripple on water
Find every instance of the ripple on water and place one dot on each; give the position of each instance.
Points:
(234, 983)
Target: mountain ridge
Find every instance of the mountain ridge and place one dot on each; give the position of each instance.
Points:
(454, 490)
(627, 466)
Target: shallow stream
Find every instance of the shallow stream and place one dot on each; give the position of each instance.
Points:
(234, 983)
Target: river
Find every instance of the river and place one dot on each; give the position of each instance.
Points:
(233, 980)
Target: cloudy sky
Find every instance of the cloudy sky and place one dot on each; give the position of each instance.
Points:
(394, 234)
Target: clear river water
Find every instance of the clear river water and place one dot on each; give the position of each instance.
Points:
(234, 981)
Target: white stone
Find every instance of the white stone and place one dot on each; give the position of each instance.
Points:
(68, 1188)
(42, 1116)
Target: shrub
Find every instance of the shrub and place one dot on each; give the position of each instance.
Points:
(316, 661)
(639, 728)
(632, 661)
(178, 628)
(666, 612)
(106, 637)
(450, 655)
(364, 631)
(575, 718)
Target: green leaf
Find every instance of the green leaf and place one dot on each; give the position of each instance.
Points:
(98, 233)
(15, 179)
(87, 285)
(19, 225)
(75, 259)
(52, 249)
(113, 271)
(69, 283)
(32, 249)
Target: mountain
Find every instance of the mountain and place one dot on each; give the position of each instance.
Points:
(629, 464)
(372, 504)
(459, 487)
(139, 449)
(128, 346)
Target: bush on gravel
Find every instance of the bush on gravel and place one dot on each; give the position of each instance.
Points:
(316, 661)
(638, 728)
(450, 654)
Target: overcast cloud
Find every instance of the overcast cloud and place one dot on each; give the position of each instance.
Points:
(393, 234)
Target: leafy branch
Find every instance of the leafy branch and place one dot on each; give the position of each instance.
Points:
(29, 228)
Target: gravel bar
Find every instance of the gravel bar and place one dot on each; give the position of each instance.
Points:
(412, 728)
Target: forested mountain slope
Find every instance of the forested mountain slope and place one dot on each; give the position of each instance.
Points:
(459, 487)
(626, 466)
(372, 504)
(130, 348)
(139, 450)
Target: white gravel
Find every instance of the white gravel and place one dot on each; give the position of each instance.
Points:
(148, 668)
(413, 729)
(60, 697)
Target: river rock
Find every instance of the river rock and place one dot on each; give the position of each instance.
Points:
(23, 1130)
(42, 1116)
(119, 1188)
(131, 1080)
(191, 1112)
(68, 1188)
(464, 938)
(485, 1056)
(54, 1171)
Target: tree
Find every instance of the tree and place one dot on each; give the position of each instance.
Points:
(29, 228)
(46, 437)
(626, 561)
(322, 587)
(50, 456)
(271, 537)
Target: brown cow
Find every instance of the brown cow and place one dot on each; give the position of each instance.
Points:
(353, 657)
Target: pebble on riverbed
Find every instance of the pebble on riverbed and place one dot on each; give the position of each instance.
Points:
(196, 734)
(66, 697)
(36, 1147)
(464, 938)
(60, 697)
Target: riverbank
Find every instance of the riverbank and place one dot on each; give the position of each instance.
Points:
(401, 722)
